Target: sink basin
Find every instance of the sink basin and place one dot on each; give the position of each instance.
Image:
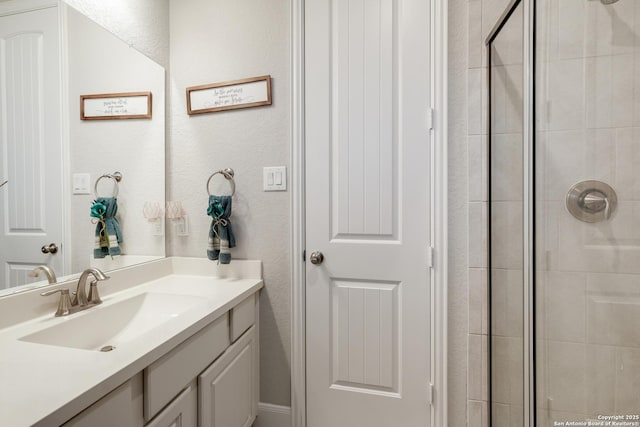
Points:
(107, 327)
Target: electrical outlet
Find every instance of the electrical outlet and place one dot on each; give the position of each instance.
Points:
(157, 227)
(182, 226)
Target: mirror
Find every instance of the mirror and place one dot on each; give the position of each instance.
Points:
(51, 159)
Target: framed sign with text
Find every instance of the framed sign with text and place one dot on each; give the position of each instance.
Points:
(233, 95)
(116, 106)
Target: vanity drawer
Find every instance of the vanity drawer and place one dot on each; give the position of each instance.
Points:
(121, 407)
(243, 316)
(169, 375)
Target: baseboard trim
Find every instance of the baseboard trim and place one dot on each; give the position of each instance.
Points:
(273, 416)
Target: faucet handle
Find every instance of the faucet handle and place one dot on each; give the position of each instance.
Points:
(64, 305)
(94, 296)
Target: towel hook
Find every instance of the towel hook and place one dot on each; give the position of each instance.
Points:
(228, 174)
(116, 177)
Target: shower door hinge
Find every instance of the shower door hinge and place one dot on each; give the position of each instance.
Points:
(430, 118)
(430, 256)
(431, 390)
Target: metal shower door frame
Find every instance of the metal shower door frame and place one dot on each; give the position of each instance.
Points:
(528, 78)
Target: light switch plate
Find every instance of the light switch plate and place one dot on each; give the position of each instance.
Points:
(275, 178)
(81, 183)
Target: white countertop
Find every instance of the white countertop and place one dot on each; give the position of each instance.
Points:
(47, 385)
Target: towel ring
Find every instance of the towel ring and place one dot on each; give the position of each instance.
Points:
(116, 177)
(227, 173)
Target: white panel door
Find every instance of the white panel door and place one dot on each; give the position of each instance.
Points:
(30, 144)
(367, 94)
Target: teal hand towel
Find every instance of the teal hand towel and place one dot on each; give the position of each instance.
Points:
(221, 236)
(108, 236)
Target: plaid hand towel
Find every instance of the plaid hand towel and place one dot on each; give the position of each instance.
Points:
(108, 233)
(221, 236)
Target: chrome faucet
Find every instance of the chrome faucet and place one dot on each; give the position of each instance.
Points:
(51, 276)
(80, 300)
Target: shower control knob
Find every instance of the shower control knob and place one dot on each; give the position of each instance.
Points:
(51, 249)
(591, 201)
(316, 258)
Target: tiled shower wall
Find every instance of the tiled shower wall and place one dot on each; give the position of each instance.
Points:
(482, 15)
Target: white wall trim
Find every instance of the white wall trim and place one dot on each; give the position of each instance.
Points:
(298, 311)
(273, 416)
(67, 252)
(439, 213)
(439, 225)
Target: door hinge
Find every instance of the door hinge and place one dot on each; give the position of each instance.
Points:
(432, 392)
(430, 118)
(430, 255)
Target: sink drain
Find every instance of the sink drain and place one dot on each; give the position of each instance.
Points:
(107, 348)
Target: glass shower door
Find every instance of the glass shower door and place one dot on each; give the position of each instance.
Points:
(587, 218)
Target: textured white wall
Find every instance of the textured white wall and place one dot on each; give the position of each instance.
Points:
(215, 41)
(143, 24)
(101, 63)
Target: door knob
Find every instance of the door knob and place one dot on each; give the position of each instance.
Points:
(316, 258)
(51, 249)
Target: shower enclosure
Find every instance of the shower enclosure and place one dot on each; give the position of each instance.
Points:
(564, 213)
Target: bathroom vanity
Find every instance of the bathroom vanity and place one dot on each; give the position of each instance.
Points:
(175, 342)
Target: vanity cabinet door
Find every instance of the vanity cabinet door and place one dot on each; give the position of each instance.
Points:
(182, 412)
(121, 407)
(228, 389)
